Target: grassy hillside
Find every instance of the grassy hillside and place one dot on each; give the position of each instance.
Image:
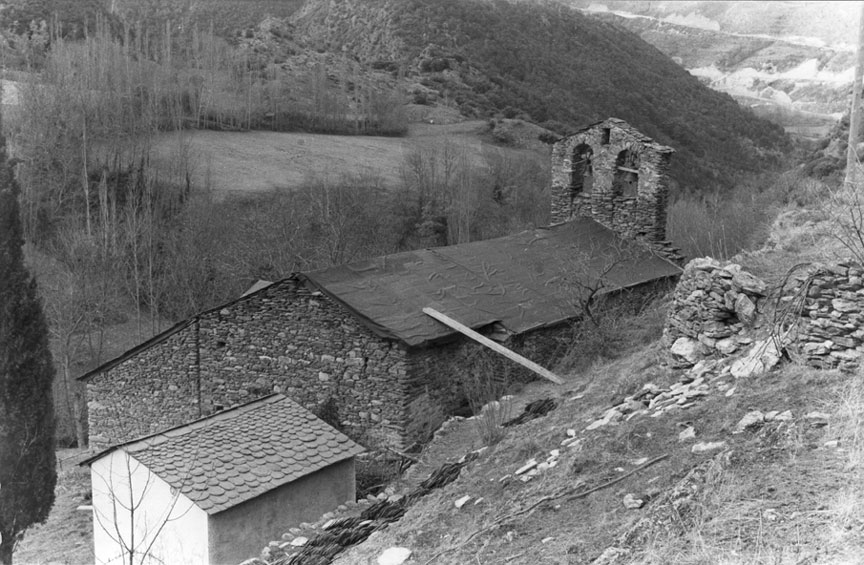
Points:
(554, 66)
(244, 163)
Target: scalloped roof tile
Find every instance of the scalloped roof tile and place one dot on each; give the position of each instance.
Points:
(204, 459)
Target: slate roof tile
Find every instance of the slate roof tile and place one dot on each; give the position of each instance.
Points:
(519, 280)
(238, 454)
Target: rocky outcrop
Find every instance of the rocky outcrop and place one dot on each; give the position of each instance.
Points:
(712, 307)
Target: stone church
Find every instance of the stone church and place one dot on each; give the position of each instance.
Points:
(354, 337)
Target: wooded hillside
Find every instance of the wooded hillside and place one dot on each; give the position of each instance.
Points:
(555, 66)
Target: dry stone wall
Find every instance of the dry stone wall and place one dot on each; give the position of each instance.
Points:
(828, 304)
(712, 308)
(290, 339)
(152, 391)
(817, 316)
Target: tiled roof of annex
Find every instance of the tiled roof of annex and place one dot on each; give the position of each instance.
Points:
(238, 454)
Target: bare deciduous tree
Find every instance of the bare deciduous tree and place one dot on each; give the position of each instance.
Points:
(124, 510)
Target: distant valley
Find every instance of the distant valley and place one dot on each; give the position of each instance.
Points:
(790, 62)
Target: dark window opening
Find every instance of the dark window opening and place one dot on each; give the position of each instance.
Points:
(221, 344)
(582, 172)
(626, 179)
(607, 133)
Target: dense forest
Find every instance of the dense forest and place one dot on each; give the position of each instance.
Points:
(556, 67)
(76, 16)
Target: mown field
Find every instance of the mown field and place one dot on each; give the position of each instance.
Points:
(259, 161)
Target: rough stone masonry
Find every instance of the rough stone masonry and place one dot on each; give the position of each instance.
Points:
(827, 303)
(289, 339)
(818, 318)
(713, 306)
(614, 174)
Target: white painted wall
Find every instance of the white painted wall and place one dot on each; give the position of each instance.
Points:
(133, 508)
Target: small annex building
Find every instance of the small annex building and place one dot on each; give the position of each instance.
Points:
(354, 339)
(213, 490)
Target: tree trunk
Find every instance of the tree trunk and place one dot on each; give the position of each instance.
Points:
(78, 415)
(73, 398)
(6, 550)
(67, 392)
(85, 181)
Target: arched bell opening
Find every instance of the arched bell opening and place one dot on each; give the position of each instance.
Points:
(625, 181)
(582, 172)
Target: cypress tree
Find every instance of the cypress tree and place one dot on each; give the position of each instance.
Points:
(27, 461)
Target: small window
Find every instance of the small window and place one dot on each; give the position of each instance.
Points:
(221, 344)
(607, 134)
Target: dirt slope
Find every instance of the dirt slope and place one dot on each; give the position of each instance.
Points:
(771, 494)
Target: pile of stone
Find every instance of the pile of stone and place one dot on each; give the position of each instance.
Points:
(655, 401)
(830, 302)
(533, 467)
(712, 306)
(696, 383)
(532, 411)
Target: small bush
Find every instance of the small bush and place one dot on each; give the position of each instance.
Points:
(329, 412)
(504, 137)
(845, 206)
(526, 448)
(626, 322)
(374, 471)
(378, 466)
(490, 421)
(487, 381)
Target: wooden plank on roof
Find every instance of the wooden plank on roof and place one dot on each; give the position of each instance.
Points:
(629, 170)
(497, 347)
